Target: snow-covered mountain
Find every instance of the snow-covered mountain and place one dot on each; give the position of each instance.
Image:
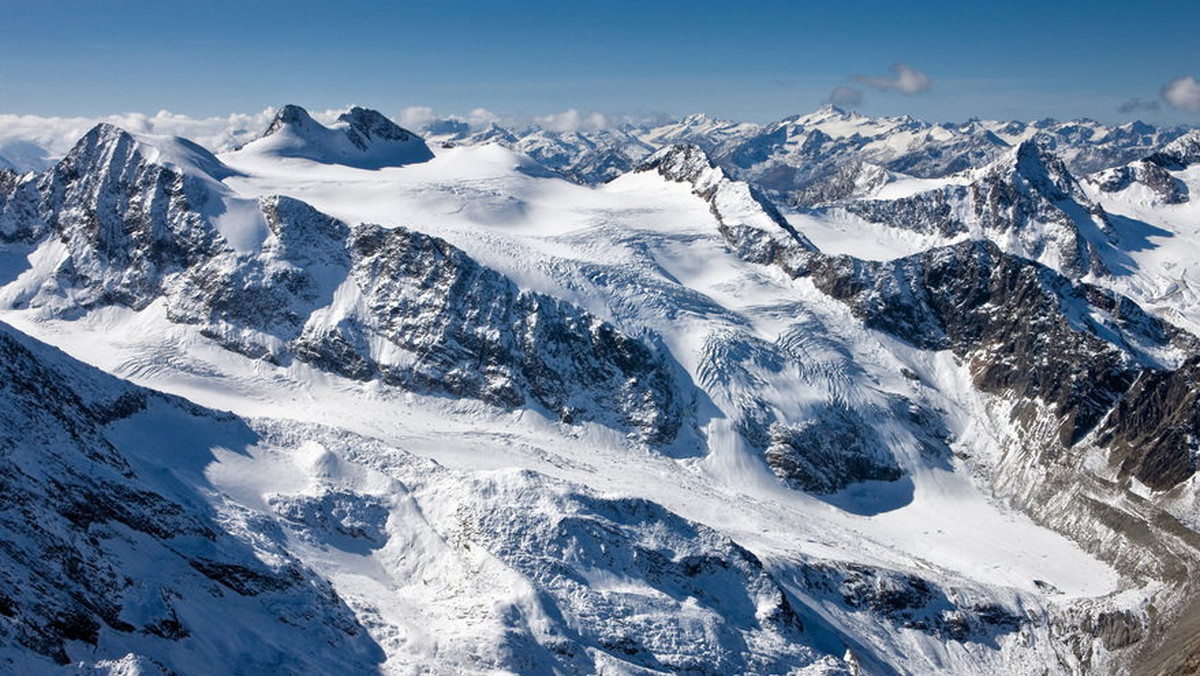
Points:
(361, 138)
(807, 160)
(484, 419)
(1027, 201)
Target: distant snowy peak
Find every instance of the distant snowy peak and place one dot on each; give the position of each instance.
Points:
(367, 126)
(361, 138)
(107, 145)
(839, 123)
(1156, 179)
(1027, 202)
(1180, 153)
(291, 117)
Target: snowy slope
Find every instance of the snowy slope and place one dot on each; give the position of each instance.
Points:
(727, 450)
(203, 557)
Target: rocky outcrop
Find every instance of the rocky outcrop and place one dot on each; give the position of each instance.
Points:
(1179, 154)
(854, 180)
(1154, 431)
(1154, 171)
(457, 328)
(1004, 317)
(736, 205)
(1028, 203)
(1160, 182)
(126, 222)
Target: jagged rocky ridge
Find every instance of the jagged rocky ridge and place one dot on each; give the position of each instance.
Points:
(1028, 202)
(1002, 314)
(833, 445)
(1073, 367)
(309, 287)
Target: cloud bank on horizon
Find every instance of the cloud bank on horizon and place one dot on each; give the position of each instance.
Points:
(33, 142)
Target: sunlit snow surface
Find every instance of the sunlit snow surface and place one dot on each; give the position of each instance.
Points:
(643, 253)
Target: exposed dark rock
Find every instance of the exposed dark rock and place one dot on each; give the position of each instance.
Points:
(832, 450)
(908, 601)
(138, 231)
(473, 333)
(1154, 431)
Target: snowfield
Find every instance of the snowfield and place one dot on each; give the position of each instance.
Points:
(464, 535)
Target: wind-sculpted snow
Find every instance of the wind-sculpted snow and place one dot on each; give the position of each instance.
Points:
(823, 443)
(640, 427)
(120, 550)
(635, 581)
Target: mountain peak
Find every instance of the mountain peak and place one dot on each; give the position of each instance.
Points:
(107, 141)
(366, 125)
(684, 162)
(1180, 153)
(1044, 170)
(360, 138)
(290, 115)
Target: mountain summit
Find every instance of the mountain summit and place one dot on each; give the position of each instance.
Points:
(360, 138)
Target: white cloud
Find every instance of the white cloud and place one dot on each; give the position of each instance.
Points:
(905, 79)
(415, 117)
(58, 134)
(1183, 93)
(846, 96)
(481, 117)
(573, 120)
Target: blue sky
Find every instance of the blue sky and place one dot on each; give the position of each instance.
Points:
(762, 61)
